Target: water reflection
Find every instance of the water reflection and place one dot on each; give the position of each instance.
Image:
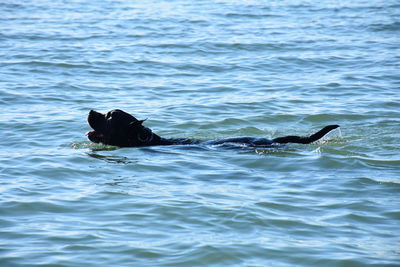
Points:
(111, 158)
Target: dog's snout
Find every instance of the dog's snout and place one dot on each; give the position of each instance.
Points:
(94, 113)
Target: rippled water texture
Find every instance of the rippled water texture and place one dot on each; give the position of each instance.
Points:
(200, 69)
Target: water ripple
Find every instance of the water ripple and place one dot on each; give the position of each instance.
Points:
(202, 70)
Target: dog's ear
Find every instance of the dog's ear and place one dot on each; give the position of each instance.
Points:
(137, 123)
(135, 126)
(138, 132)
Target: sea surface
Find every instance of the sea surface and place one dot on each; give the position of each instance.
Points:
(200, 69)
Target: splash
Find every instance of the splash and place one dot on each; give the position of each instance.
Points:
(334, 136)
(92, 146)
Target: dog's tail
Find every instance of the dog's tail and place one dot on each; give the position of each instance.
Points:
(305, 139)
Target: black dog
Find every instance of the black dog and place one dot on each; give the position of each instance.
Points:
(119, 128)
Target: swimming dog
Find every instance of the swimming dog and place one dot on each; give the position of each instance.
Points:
(119, 128)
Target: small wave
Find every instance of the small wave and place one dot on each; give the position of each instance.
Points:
(251, 16)
(37, 63)
(378, 162)
(395, 26)
(378, 180)
(253, 46)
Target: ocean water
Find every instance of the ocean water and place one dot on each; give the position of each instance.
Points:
(200, 69)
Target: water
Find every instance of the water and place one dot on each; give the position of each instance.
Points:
(200, 69)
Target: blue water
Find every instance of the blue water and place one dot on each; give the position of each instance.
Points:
(200, 69)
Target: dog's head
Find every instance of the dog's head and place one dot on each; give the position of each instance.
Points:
(119, 128)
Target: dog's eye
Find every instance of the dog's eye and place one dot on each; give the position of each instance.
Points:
(145, 135)
(108, 115)
(147, 130)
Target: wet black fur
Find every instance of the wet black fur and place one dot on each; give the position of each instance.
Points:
(119, 128)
